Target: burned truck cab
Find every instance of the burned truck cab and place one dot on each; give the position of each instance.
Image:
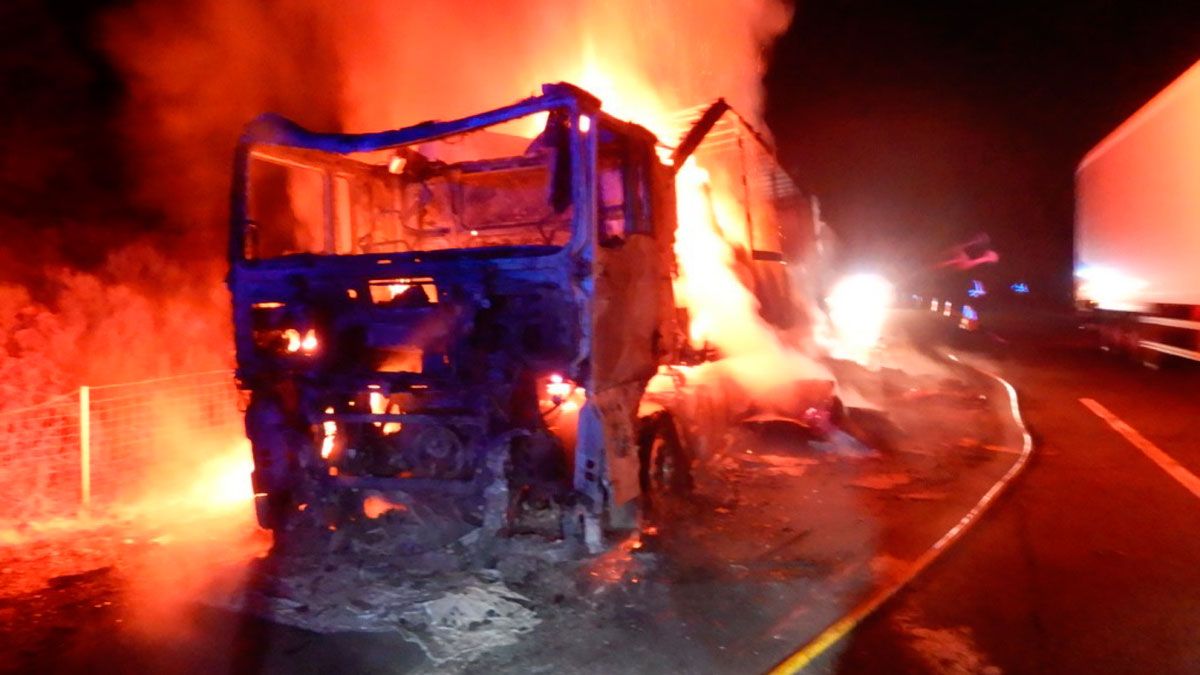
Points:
(467, 307)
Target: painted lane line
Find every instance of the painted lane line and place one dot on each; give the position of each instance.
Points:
(1164, 461)
(804, 656)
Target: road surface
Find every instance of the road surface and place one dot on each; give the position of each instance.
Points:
(1091, 562)
(786, 529)
(1088, 563)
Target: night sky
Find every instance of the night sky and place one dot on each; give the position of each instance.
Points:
(920, 125)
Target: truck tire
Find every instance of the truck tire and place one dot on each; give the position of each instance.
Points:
(664, 463)
(275, 461)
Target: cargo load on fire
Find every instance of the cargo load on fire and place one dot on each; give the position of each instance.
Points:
(484, 308)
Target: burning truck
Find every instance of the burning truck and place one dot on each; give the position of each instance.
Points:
(486, 308)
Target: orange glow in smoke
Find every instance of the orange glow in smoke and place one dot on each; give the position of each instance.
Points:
(226, 479)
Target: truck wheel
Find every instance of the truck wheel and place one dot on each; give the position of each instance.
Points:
(665, 467)
(270, 509)
(275, 463)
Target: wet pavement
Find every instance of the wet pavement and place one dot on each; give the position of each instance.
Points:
(1090, 562)
(783, 534)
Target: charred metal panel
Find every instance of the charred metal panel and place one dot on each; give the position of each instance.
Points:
(632, 300)
(617, 407)
(397, 333)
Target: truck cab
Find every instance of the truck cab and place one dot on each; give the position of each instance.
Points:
(449, 306)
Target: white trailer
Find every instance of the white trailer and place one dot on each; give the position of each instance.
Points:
(1137, 228)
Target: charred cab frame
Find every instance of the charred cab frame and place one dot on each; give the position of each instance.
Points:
(483, 369)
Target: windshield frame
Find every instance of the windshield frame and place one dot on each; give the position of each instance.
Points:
(273, 131)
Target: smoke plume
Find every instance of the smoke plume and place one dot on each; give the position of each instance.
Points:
(197, 71)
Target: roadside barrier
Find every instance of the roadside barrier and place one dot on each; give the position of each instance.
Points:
(100, 447)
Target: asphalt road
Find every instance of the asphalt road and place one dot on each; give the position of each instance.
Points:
(784, 532)
(1088, 563)
(1091, 562)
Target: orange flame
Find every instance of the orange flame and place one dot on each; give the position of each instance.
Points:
(329, 429)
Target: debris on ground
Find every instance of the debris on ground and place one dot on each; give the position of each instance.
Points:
(779, 519)
(882, 481)
(475, 618)
(777, 465)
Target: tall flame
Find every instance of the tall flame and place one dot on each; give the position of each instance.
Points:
(646, 63)
(197, 71)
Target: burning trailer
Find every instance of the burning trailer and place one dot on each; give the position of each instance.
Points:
(493, 310)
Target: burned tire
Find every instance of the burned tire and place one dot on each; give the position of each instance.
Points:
(665, 465)
(276, 466)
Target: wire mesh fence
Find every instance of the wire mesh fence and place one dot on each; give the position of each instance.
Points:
(101, 447)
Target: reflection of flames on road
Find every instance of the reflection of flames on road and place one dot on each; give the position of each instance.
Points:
(618, 563)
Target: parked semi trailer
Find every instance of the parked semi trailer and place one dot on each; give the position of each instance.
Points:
(1137, 228)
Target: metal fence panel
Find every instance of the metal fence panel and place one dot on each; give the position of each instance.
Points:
(101, 447)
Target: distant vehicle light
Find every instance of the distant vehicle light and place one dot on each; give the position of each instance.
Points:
(969, 321)
(1020, 288)
(977, 290)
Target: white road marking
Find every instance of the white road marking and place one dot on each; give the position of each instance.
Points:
(804, 656)
(1164, 461)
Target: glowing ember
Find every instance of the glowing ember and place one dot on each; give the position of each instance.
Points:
(558, 389)
(377, 505)
(309, 343)
(380, 405)
(292, 340)
(329, 427)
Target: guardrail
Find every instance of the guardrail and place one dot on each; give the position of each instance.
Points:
(102, 447)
